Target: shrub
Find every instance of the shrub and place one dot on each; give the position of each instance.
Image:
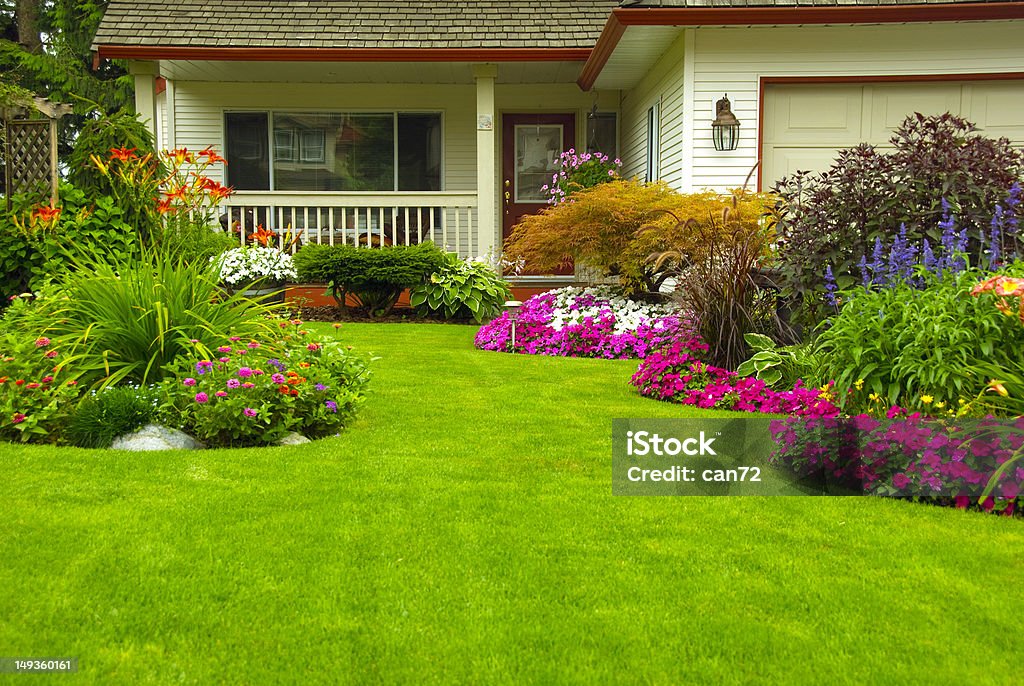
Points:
(924, 348)
(615, 226)
(123, 323)
(591, 322)
(35, 241)
(579, 171)
(104, 415)
(97, 138)
(253, 394)
(833, 218)
(460, 290)
(373, 277)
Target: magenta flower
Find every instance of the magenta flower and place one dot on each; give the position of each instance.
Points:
(249, 412)
(18, 418)
(253, 345)
(221, 394)
(234, 383)
(277, 378)
(313, 347)
(42, 342)
(224, 359)
(245, 372)
(189, 381)
(202, 397)
(247, 384)
(224, 349)
(235, 338)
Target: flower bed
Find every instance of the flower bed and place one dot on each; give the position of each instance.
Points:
(584, 322)
(948, 462)
(676, 374)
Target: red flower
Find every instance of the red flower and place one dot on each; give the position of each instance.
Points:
(3, 379)
(47, 379)
(46, 214)
(51, 354)
(32, 385)
(211, 156)
(122, 154)
(19, 382)
(18, 418)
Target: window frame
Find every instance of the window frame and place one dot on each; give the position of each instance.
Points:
(653, 168)
(270, 112)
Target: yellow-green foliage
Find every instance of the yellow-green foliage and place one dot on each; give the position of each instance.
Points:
(615, 227)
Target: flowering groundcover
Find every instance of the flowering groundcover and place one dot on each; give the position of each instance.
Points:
(584, 322)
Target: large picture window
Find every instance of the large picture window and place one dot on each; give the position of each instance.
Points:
(328, 151)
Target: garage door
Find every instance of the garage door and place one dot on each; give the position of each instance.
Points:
(804, 125)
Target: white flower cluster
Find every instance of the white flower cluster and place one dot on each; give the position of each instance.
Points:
(244, 265)
(629, 314)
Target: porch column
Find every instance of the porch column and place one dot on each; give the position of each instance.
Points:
(145, 74)
(486, 164)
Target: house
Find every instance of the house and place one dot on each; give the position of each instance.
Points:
(365, 121)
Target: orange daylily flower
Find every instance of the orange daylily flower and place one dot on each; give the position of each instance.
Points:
(997, 387)
(211, 156)
(122, 154)
(165, 206)
(177, 194)
(181, 156)
(262, 236)
(46, 214)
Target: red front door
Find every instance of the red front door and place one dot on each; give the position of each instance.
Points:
(531, 145)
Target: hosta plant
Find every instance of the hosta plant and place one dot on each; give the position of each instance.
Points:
(460, 290)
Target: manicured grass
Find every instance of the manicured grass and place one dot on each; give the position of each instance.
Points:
(464, 531)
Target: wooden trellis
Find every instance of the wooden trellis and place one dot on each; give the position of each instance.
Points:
(30, 149)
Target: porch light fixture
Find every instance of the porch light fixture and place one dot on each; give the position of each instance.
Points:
(513, 314)
(725, 129)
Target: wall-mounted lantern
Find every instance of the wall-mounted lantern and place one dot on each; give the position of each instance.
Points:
(725, 129)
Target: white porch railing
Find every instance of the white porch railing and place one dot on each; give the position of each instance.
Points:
(297, 219)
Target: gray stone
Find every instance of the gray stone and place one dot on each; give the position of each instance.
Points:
(294, 438)
(156, 437)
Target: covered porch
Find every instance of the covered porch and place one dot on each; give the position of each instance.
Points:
(378, 153)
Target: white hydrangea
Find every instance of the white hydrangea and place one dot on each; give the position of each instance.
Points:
(253, 262)
(629, 314)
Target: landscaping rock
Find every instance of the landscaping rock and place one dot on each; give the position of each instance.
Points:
(156, 437)
(294, 438)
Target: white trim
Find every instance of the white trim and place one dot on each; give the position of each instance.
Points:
(689, 107)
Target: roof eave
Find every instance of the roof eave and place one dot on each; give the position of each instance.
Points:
(241, 54)
(624, 17)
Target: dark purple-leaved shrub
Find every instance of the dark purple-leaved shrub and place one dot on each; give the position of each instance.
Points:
(833, 218)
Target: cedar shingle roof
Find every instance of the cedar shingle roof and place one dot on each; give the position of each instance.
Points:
(355, 23)
(787, 3)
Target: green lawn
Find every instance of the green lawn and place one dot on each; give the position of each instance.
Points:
(464, 531)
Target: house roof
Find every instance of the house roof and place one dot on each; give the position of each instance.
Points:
(786, 3)
(355, 24)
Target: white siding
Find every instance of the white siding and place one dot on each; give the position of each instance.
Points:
(662, 83)
(732, 60)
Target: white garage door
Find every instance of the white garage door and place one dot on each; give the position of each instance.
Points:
(804, 125)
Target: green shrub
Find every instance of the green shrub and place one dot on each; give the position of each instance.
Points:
(373, 277)
(33, 251)
(460, 290)
(833, 218)
(114, 411)
(97, 138)
(918, 348)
